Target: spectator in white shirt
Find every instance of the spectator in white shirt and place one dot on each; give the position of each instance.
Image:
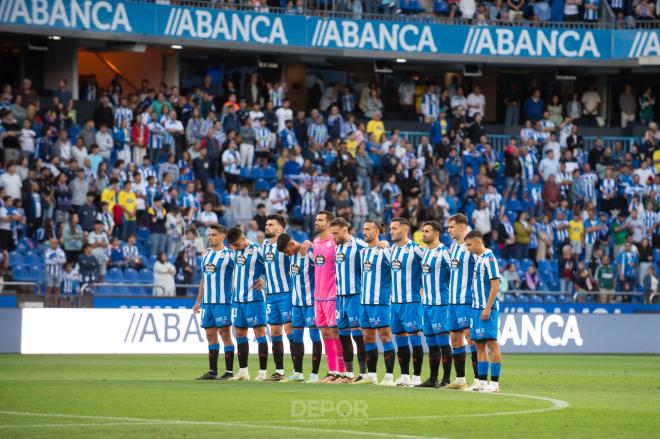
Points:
(458, 100)
(283, 114)
(255, 116)
(590, 105)
(174, 129)
(79, 152)
(279, 196)
(476, 102)
(11, 181)
(104, 141)
(231, 160)
(27, 136)
(63, 146)
(549, 165)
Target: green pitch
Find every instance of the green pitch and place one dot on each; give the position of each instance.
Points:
(155, 396)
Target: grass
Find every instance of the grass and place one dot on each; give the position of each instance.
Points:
(155, 396)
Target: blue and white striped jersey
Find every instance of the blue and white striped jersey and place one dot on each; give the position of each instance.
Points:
(406, 272)
(560, 235)
(348, 266)
(589, 183)
(217, 269)
(462, 266)
(484, 271)
(248, 268)
(54, 261)
(156, 135)
(608, 187)
(430, 105)
(590, 237)
(650, 219)
(376, 276)
(318, 133)
(302, 278)
(277, 269)
(436, 272)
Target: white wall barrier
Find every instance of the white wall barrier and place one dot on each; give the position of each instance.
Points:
(158, 331)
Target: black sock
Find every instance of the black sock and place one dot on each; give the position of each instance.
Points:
(372, 360)
(417, 359)
(278, 352)
(473, 357)
(299, 356)
(459, 363)
(446, 363)
(243, 352)
(213, 360)
(347, 351)
(403, 353)
(359, 342)
(434, 361)
(229, 360)
(317, 352)
(389, 360)
(263, 356)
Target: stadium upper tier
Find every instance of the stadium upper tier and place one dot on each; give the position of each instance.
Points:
(330, 27)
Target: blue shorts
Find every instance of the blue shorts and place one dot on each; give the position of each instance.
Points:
(249, 314)
(215, 315)
(406, 317)
(348, 311)
(484, 329)
(303, 317)
(374, 316)
(435, 319)
(278, 308)
(458, 317)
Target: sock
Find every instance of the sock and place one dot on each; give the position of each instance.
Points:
(371, 351)
(446, 362)
(263, 352)
(289, 337)
(298, 345)
(388, 354)
(359, 342)
(482, 370)
(229, 358)
(495, 369)
(213, 358)
(434, 357)
(330, 354)
(317, 349)
(459, 361)
(473, 355)
(417, 354)
(347, 349)
(278, 351)
(243, 351)
(403, 353)
(339, 353)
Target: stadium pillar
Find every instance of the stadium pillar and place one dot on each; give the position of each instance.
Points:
(488, 83)
(294, 75)
(61, 61)
(171, 68)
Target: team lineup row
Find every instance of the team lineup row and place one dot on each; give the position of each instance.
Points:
(347, 290)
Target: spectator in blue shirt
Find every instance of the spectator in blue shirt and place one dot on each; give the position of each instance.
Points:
(534, 106)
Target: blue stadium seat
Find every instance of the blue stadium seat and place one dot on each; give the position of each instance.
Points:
(261, 185)
(220, 184)
(245, 174)
(152, 260)
(535, 298)
(563, 298)
(522, 298)
(21, 274)
(107, 290)
(146, 276)
(299, 235)
(37, 274)
(525, 264)
(131, 276)
(549, 298)
(656, 255)
(515, 262)
(446, 239)
(440, 7)
(114, 275)
(33, 259)
(270, 173)
(509, 298)
(296, 214)
(256, 173)
(15, 259)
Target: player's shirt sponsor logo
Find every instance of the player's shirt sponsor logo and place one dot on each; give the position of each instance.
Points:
(367, 266)
(209, 268)
(270, 257)
(454, 264)
(240, 260)
(340, 257)
(319, 260)
(295, 269)
(396, 265)
(426, 268)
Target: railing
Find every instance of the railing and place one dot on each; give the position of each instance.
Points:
(499, 141)
(576, 296)
(89, 288)
(338, 9)
(34, 285)
(653, 296)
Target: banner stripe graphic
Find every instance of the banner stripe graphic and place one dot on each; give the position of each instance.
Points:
(475, 40)
(169, 22)
(3, 5)
(8, 11)
(467, 40)
(316, 32)
(642, 44)
(324, 26)
(175, 23)
(634, 45)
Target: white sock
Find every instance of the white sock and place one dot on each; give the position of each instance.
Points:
(262, 372)
(312, 375)
(349, 375)
(387, 377)
(243, 370)
(373, 375)
(416, 377)
(405, 377)
(280, 371)
(364, 375)
(460, 380)
(332, 372)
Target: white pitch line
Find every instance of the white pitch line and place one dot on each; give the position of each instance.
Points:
(142, 421)
(99, 424)
(557, 404)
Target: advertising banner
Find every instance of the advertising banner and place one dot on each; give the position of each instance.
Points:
(175, 331)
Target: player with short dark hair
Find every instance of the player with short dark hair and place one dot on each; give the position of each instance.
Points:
(460, 299)
(375, 300)
(348, 270)
(302, 280)
(406, 317)
(248, 309)
(278, 292)
(485, 312)
(435, 294)
(214, 300)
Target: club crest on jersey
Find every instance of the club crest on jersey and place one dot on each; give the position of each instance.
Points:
(454, 264)
(249, 251)
(340, 257)
(426, 268)
(295, 269)
(319, 260)
(396, 265)
(209, 268)
(270, 257)
(240, 260)
(367, 266)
